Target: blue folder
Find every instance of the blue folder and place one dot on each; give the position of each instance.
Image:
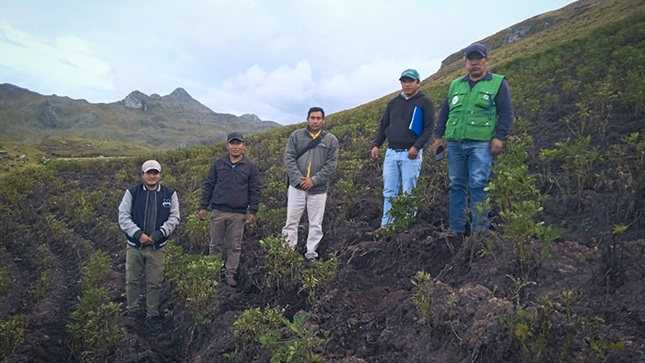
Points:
(416, 123)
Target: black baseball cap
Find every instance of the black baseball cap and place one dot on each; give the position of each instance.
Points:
(235, 136)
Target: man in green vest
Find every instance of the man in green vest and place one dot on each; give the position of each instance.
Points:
(474, 122)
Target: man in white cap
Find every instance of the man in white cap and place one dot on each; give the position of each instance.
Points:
(475, 120)
(405, 115)
(148, 214)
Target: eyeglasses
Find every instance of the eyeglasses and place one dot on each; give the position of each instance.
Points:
(152, 172)
(316, 117)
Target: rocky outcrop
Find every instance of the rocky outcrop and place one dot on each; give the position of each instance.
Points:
(136, 100)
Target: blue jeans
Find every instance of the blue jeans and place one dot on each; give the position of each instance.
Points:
(468, 168)
(398, 168)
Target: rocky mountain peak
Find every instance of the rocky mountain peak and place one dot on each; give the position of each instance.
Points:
(181, 95)
(251, 117)
(136, 100)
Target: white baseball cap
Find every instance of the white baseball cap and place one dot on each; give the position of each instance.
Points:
(151, 165)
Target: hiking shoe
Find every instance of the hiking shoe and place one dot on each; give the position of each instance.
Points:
(154, 323)
(230, 281)
(132, 315)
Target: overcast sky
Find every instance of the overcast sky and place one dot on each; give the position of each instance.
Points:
(272, 58)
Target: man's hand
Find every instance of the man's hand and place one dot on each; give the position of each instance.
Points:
(496, 146)
(146, 240)
(436, 144)
(413, 153)
(306, 183)
(202, 214)
(374, 153)
(250, 218)
(156, 236)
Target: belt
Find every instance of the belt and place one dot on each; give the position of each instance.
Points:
(398, 150)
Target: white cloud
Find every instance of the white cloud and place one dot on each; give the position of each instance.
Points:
(271, 58)
(64, 65)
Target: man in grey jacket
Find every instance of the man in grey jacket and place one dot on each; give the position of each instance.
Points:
(148, 214)
(310, 159)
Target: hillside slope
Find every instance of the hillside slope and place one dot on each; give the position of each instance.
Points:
(559, 279)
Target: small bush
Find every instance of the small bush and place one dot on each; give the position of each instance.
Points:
(403, 213)
(318, 276)
(94, 336)
(196, 278)
(283, 265)
(95, 271)
(12, 333)
(288, 341)
(4, 279)
(422, 298)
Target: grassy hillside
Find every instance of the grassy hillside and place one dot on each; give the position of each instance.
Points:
(560, 278)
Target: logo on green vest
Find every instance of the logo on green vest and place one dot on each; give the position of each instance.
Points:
(455, 100)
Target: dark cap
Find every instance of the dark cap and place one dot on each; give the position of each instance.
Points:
(235, 136)
(410, 73)
(476, 48)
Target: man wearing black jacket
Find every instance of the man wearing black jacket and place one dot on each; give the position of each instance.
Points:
(403, 157)
(148, 213)
(232, 192)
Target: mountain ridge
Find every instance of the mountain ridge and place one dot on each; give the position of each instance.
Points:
(164, 122)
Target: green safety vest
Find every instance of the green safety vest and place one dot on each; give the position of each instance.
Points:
(472, 112)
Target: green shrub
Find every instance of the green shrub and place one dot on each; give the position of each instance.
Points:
(42, 285)
(269, 220)
(548, 331)
(4, 279)
(198, 232)
(12, 333)
(95, 271)
(403, 213)
(288, 341)
(94, 336)
(514, 190)
(422, 297)
(255, 323)
(578, 160)
(299, 345)
(283, 264)
(196, 278)
(318, 276)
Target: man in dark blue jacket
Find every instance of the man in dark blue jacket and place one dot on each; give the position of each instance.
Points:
(148, 213)
(232, 192)
(403, 157)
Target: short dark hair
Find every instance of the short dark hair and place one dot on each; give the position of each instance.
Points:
(316, 109)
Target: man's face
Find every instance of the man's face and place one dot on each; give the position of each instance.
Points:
(476, 65)
(409, 86)
(235, 148)
(151, 179)
(315, 121)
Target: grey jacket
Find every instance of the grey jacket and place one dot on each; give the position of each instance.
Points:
(322, 158)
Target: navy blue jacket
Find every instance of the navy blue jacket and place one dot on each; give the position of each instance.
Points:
(232, 188)
(132, 214)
